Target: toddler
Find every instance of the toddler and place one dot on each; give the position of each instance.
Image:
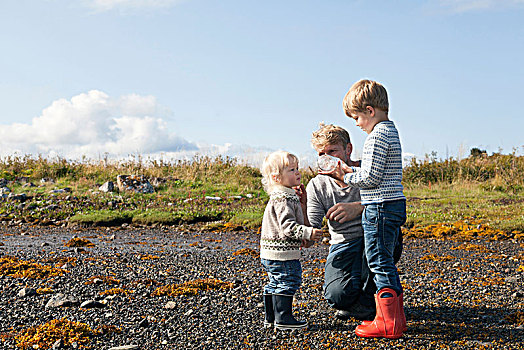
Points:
(284, 228)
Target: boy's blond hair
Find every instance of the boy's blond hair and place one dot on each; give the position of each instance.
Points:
(329, 135)
(365, 93)
(273, 166)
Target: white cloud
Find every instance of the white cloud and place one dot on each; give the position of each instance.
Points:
(91, 124)
(95, 125)
(477, 5)
(107, 5)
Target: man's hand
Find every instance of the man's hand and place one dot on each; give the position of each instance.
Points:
(342, 212)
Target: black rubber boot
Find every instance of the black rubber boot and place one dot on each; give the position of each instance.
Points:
(269, 311)
(283, 306)
(357, 311)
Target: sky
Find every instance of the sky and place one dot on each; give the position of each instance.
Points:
(174, 78)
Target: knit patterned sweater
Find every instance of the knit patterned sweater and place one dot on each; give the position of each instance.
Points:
(283, 226)
(380, 175)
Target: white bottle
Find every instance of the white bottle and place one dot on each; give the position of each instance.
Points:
(327, 163)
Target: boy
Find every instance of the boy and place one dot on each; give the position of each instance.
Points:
(379, 179)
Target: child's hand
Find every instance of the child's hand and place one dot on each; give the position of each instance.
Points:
(316, 235)
(301, 193)
(306, 244)
(339, 172)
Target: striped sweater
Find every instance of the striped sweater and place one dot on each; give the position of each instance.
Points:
(380, 175)
(283, 226)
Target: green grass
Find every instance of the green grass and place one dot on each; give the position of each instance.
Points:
(107, 217)
(250, 218)
(102, 218)
(488, 188)
(452, 202)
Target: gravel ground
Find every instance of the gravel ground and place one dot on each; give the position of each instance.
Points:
(460, 295)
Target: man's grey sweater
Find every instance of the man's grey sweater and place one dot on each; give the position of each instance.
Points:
(323, 193)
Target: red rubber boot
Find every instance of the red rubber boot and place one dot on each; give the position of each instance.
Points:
(387, 322)
(402, 315)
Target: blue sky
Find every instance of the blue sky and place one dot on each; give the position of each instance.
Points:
(176, 78)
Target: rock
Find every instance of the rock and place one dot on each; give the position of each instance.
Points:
(144, 323)
(89, 304)
(62, 300)
(61, 190)
(170, 305)
(188, 312)
(157, 181)
(59, 344)
(517, 294)
(17, 197)
(26, 292)
(4, 190)
(209, 198)
(109, 186)
(135, 183)
(125, 347)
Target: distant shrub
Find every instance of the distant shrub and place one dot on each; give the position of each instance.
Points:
(504, 171)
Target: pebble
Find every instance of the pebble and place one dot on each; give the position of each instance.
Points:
(62, 300)
(26, 292)
(88, 304)
(188, 312)
(170, 305)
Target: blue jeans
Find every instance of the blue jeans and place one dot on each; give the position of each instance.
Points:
(344, 275)
(285, 277)
(381, 223)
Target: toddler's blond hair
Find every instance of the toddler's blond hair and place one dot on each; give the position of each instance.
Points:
(273, 166)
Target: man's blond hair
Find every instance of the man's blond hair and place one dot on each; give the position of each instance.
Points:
(329, 135)
(365, 93)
